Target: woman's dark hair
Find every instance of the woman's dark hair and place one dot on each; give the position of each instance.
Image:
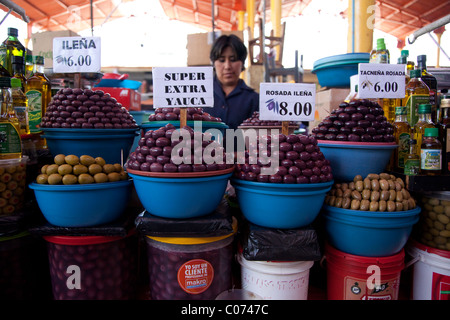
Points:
(228, 41)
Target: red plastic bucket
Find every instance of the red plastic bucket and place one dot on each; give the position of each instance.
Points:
(351, 277)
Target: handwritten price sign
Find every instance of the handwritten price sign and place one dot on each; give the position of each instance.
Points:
(76, 54)
(287, 101)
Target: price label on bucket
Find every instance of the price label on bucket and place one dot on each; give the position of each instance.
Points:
(76, 54)
(381, 80)
(287, 101)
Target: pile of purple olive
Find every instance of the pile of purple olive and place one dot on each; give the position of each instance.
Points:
(359, 120)
(299, 160)
(172, 114)
(255, 121)
(154, 152)
(87, 109)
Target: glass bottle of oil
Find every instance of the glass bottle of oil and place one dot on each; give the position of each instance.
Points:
(424, 121)
(412, 160)
(20, 106)
(38, 92)
(431, 82)
(416, 93)
(444, 134)
(402, 134)
(431, 153)
(9, 48)
(18, 66)
(10, 142)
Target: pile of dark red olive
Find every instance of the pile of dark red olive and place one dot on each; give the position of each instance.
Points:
(173, 114)
(154, 152)
(255, 121)
(360, 120)
(87, 109)
(299, 158)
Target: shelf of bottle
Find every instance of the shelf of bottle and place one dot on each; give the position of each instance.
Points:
(423, 183)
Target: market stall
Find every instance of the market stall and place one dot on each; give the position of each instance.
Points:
(115, 204)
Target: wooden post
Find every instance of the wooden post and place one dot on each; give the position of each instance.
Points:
(183, 117)
(285, 127)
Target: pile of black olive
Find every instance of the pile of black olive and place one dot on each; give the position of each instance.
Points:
(87, 109)
(173, 114)
(255, 121)
(360, 120)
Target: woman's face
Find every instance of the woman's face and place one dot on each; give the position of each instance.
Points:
(228, 67)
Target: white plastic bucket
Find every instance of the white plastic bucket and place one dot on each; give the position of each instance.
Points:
(431, 275)
(276, 280)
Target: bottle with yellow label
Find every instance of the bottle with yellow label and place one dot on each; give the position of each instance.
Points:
(10, 142)
(402, 134)
(38, 92)
(424, 121)
(416, 93)
(431, 153)
(20, 105)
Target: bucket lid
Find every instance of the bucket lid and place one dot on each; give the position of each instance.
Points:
(276, 267)
(84, 240)
(421, 246)
(194, 240)
(388, 261)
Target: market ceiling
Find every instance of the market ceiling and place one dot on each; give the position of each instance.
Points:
(399, 18)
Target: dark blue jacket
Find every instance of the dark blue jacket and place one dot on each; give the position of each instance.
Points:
(237, 106)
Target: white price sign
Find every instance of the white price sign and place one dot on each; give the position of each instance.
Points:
(183, 87)
(287, 101)
(381, 80)
(76, 54)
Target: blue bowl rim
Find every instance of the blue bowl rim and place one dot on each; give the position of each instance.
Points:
(183, 179)
(343, 57)
(79, 187)
(340, 66)
(371, 214)
(87, 130)
(288, 186)
(358, 145)
(159, 124)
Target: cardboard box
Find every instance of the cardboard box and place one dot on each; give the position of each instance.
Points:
(130, 99)
(326, 101)
(43, 44)
(199, 46)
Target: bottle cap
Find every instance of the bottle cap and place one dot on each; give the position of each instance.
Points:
(380, 44)
(402, 60)
(400, 111)
(16, 83)
(431, 132)
(39, 60)
(422, 59)
(29, 58)
(13, 32)
(404, 53)
(5, 82)
(424, 108)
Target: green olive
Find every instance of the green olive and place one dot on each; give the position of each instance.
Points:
(118, 167)
(113, 176)
(79, 169)
(54, 178)
(85, 178)
(108, 168)
(100, 177)
(44, 168)
(69, 179)
(95, 168)
(100, 161)
(60, 159)
(87, 160)
(72, 159)
(53, 168)
(42, 178)
(64, 169)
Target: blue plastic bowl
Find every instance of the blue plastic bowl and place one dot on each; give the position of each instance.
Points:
(349, 159)
(82, 205)
(369, 234)
(335, 71)
(180, 198)
(279, 205)
(110, 144)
